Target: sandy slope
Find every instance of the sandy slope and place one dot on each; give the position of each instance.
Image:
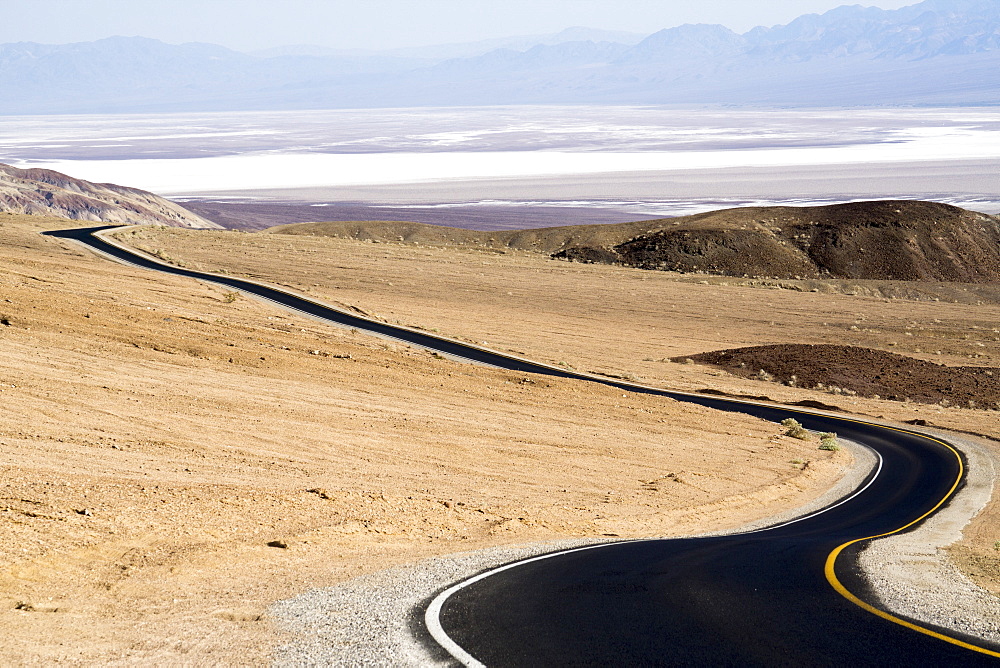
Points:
(157, 434)
(629, 322)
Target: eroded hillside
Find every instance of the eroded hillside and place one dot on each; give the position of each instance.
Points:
(43, 192)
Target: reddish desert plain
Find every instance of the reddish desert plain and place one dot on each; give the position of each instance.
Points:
(158, 433)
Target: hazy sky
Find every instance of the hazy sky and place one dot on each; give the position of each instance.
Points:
(378, 24)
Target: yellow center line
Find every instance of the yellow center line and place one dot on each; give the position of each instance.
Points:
(838, 586)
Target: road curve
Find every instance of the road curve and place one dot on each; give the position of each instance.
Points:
(788, 595)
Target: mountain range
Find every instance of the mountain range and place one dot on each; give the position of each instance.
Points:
(937, 52)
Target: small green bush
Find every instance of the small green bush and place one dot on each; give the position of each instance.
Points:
(794, 429)
(828, 441)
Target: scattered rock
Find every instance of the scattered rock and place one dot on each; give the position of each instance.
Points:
(720, 393)
(239, 616)
(277, 543)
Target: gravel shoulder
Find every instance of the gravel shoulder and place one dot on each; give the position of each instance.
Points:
(912, 574)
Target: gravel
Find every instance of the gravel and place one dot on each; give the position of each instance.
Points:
(377, 619)
(911, 574)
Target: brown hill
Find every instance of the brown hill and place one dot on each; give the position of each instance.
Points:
(887, 240)
(43, 192)
(861, 371)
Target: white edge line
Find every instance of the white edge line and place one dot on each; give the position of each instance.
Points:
(432, 616)
(878, 470)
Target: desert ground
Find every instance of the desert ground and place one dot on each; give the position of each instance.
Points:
(630, 322)
(176, 458)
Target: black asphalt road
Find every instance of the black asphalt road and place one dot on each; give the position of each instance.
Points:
(764, 598)
(758, 599)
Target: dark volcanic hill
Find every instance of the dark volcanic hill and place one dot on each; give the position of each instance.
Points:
(43, 192)
(888, 240)
(862, 371)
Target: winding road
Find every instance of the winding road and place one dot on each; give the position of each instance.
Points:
(787, 595)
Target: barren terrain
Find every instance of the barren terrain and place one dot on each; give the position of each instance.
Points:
(250, 215)
(175, 458)
(630, 322)
(582, 315)
(888, 240)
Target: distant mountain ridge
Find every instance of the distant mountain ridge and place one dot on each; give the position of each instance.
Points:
(43, 192)
(937, 52)
(931, 28)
